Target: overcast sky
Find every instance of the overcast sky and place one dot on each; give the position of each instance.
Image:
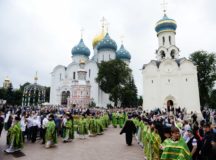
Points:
(37, 35)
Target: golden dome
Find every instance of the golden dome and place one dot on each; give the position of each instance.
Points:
(7, 79)
(98, 38)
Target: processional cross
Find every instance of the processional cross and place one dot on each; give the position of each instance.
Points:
(164, 6)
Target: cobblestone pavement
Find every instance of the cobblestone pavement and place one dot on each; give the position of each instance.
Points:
(109, 146)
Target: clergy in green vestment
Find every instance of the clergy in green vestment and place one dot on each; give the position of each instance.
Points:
(99, 126)
(51, 135)
(93, 126)
(148, 144)
(114, 120)
(175, 148)
(121, 120)
(156, 142)
(82, 128)
(14, 137)
(68, 128)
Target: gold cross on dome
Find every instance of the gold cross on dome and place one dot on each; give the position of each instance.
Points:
(122, 38)
(36, 74)
(103, 20)
(36, 77)
(81, 32)
(107, 26)
(164, 6)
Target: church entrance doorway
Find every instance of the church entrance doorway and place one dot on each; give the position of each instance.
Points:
(64, 97)
(170, 105)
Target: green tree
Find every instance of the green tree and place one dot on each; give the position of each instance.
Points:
(47, 96)
(17, 97)
(206, 67)
(10, 95)
(140, 101)
(14, 96)
(129, 94)
(213, 99)
(112, 78)
(3, 93)
(92, 104)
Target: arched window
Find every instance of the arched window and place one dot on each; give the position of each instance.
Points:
(163, 40)
(74, 75)
(170, 42)
(89, 73)
(64, 98)
(68, 94)
(60, 77)
(162, 54)
(172, 54)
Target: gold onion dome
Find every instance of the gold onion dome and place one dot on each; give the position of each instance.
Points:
(7, 79)
(98, 38)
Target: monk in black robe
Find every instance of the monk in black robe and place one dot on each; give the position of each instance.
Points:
(129, 129)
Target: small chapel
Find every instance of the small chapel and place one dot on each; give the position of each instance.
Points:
(75, 84)
(169, 81)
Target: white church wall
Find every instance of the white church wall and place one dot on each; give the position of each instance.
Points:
(190, 93)
(52, 89)
(58, 75)
(104, 99)
(168, 87)
(106, 55)
(72, 71)
(170, 81)
(150, 84)
(188, 67)
(77, 58)
(92, 70)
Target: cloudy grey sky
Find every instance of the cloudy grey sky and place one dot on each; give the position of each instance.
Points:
(37, 35)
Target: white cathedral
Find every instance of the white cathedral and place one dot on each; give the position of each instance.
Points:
(75, 84)
(169, 81)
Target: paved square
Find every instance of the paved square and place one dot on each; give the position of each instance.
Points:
(109, 146)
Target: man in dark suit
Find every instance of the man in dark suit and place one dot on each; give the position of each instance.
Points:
(207, 151)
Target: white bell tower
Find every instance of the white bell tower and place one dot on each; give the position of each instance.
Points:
(166, 31)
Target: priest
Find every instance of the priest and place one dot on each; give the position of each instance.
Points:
(129, 129)
(14, 137)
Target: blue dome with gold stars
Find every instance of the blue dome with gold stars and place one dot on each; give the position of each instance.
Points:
(165, 24)
(122, 53)
(107, 43)
(80, 49)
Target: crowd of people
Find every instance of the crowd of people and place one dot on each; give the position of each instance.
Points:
(174, 135)
(162, 135)
(25, 124)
